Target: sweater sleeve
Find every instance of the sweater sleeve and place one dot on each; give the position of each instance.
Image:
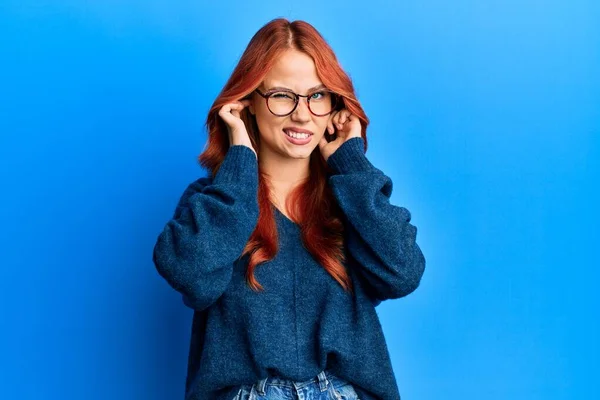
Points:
(213, 220)
(379, 235)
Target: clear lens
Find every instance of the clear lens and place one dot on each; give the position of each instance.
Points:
(320, 102)
(281, 103)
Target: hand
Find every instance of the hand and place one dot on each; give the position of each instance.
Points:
(348, 127)
(230, 113)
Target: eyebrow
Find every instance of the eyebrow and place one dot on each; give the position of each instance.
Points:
(321, 86)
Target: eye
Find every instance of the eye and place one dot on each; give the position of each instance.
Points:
(323, 96)
(282, 95)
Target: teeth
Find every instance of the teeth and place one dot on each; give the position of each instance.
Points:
(296, 135)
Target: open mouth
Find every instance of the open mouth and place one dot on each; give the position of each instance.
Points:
(296, 135)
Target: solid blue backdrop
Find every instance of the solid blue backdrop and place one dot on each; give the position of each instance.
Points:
(485, 114)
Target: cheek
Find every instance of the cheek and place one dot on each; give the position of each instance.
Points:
(267, 124)
(322, 127)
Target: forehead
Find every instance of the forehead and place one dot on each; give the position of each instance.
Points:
(294, 70)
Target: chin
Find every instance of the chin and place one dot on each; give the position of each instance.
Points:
(301, 153)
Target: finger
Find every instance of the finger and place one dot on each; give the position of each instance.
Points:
(333, 116)
(346, 116)
(236, 109)
(245, 103)
(330, 123)
(230, 109)
(336, 119)
(226, 109)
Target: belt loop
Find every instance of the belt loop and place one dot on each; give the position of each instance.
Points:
(260, 387)
(323, 381)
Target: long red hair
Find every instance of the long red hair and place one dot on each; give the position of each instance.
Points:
(311, 204)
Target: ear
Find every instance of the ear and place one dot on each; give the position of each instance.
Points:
(251, 107)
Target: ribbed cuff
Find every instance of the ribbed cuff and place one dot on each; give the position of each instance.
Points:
(350, 157)
(239, 165)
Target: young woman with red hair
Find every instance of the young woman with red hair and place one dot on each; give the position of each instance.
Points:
(287, 246)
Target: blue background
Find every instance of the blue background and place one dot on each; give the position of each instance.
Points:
(485, 114)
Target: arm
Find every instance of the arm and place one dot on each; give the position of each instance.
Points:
(379, 235)
(212, 222)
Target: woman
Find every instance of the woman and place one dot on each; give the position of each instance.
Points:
(287, 246)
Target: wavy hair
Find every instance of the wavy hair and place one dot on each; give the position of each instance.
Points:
(311, 204)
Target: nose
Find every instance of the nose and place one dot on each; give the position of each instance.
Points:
(302, 112)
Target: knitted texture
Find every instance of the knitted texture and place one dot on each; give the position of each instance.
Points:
(303, 322)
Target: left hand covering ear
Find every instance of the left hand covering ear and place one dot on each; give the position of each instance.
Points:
(346, 125)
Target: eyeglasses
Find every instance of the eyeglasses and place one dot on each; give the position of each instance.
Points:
(283, 102)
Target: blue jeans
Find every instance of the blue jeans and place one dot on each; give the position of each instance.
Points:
(324, 386)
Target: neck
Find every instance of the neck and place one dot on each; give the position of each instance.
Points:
(284, 173)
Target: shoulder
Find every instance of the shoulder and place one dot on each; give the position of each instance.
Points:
(199, 183)
(192, 188)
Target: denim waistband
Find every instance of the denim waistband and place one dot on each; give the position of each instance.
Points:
(322, 379)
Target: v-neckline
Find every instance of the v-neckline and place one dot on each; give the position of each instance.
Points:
(283, 216)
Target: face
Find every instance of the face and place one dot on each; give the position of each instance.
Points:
(295, 71)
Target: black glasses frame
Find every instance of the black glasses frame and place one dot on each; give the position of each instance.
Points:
(297, 96)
